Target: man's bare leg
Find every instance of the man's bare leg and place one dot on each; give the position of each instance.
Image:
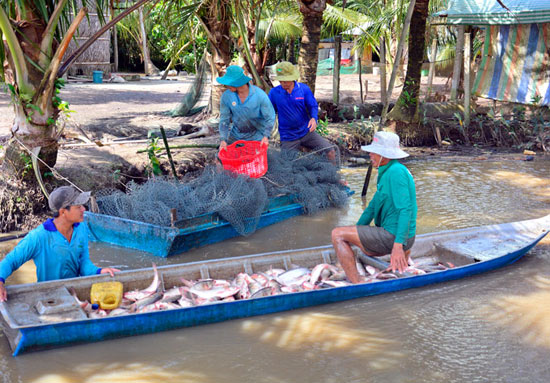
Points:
(342, 239)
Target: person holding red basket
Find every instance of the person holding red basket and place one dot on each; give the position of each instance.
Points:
(245, 110)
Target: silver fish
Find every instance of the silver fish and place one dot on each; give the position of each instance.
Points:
(265, 292)
(171, 295)
(291, 276)
(150, 299)
(154, 287)
(217, 292)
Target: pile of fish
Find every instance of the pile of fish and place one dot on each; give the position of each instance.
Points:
(244, 286)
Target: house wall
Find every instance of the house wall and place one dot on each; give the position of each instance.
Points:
(98, 55)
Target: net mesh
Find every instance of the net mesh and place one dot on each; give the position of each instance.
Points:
(312, 181)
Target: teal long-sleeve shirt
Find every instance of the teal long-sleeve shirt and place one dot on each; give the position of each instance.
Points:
(53, 255)
(250, 120)
(393, 206)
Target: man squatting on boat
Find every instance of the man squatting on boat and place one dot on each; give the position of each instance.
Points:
(58, 247)
(393, 209)
(297, 109)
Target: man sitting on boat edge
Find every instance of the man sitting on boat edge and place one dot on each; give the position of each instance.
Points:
(58, 247)
(393, 208)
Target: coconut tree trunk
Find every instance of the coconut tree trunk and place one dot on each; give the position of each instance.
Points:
(34, 121)
(149, 67)
(406, 107)
(290, 51)
(215, 18)
(312, 12)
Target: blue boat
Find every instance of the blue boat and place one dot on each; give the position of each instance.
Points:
(164, 241)
(45, 315)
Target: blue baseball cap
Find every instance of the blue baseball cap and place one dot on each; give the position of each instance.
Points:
(234, 76)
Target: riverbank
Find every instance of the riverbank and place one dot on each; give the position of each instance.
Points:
(104, 144)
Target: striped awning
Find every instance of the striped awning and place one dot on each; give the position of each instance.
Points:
(515, 64)
(490, 12)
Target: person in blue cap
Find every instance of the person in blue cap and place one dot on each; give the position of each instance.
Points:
(58, 247)
(245, 110)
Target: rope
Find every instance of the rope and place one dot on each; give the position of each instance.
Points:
(54, 172)
(321, 150)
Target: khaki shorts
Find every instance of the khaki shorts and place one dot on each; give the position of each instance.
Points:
(377, 240)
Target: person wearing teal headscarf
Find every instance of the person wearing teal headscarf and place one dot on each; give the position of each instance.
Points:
(245, 110)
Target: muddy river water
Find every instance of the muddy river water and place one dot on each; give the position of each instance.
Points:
(493, 327)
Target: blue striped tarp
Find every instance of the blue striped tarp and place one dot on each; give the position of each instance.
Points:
(479, 12)
(515, 64)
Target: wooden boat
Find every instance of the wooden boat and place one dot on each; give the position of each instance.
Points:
(184, 235)
(45, 315)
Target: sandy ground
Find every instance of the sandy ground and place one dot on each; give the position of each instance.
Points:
(130, 109)
(111, 112)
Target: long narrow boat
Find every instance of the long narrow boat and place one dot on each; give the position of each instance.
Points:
(187, 234)
(45, 315)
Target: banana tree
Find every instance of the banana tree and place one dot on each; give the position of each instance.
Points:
(36, 35)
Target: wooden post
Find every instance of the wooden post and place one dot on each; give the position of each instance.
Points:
(467, 89)
(168, 153)
(432, 67)
(336, 73)
(360, 78)
(394, 71)
(458, 62)
(115, 39)
(383, 80)
(146, 60)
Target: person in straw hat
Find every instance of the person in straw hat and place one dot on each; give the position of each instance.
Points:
(58, 247)
(297, 110)
(245, 110)
(393, 209)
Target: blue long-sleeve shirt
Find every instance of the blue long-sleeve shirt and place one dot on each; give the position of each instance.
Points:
(294, 110)
(53, 255)
(250, 120)
(393, 206)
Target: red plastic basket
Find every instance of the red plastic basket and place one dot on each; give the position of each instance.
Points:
(245, 157)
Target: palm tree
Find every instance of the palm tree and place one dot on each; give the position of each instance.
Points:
(37, 34)
(312, 13)
(135, 27)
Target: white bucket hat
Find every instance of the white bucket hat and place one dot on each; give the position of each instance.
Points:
(385, 144)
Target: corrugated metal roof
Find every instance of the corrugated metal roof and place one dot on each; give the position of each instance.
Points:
(476, 12)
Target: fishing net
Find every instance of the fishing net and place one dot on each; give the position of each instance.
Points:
(311, 180)
(185, 107)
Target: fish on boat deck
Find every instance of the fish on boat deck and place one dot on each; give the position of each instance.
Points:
(244, 286)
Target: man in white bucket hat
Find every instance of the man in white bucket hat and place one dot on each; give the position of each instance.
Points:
(393, 209)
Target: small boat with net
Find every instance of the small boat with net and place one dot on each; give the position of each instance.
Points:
(186, 234)
(52, 314)
(166, 217)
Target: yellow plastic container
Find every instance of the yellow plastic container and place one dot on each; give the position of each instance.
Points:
(107, 295)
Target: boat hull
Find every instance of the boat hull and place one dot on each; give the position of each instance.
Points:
(164, 241)
(36, 337)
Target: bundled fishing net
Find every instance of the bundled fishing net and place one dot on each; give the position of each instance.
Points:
(312, 181)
